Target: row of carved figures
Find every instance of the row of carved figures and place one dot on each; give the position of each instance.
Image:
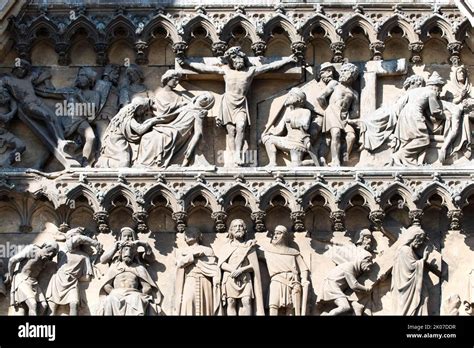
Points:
(171, 123)
(229, 283)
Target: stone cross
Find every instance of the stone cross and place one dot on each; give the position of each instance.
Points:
(369, 72)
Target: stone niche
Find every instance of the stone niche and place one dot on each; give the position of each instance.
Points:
(327, 207)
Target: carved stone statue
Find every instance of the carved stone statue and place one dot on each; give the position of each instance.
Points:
(158, 147)
(377, 128)
(409, 295)
(3, 289)
(124, 129)
(197, 285)
(238, 76)
(343, 278)
(127, 235)
(21, 85)
(294, 123)
(80, 108)
(74, 266)
(349, 252)
(288, 293)
(241, 284)
(128, 288)
(109, 93)
(412, 133)
(10, 145)
(24, 270)
(341, 104)
(167, 100)
(133, 86)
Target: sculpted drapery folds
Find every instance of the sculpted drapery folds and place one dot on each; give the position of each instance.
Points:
(158, 147)
(288, 292)
(409, 293)
(241, 284)
(295, 122)
(197, 287)
(74, 266)
(128, 288)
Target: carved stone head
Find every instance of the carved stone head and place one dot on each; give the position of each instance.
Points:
(461, 74)
(134, 74)
(365, 239)
(327, 72)
(128, 252)
(49, 250)
(85, 78)
(112, 73)
(296, 97)
(236, 58)
(171, 78)
(348, 74)
(127, 234)
(5, 96)
(22, 68)
(280, 236)
(192, 235)
(413, 81)
(237, 229)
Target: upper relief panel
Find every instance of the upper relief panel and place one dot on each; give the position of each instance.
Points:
(279, 86)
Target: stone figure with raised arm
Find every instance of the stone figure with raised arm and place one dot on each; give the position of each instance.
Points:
(128, 288)
(341, 107)
(241, 284)
(197, 284)
(24, 270)
(238, 76)
(290, 134)
(74, 266)
(289, 281)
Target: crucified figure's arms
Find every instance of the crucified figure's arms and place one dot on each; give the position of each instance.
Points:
(275, 65)
(200, 67)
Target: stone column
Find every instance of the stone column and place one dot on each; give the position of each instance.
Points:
(455, 220)
(337, 219)
(220, 218)
(101, 218)
(258, 218)
(180, 218)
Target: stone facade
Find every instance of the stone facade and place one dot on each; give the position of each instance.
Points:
(346, 122)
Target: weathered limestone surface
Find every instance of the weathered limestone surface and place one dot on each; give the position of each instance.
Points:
(180, 175)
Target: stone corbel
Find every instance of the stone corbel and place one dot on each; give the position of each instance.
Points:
(337, 220)
(337, 49)
(298, 221)
(218, 48)
(455, 218)
(101, 52)
(258, 218)
(376, 217)
(299, 49)
(259, 48)
(377, 48)
(101, 218)
(179, 48)
(416, 48)
(62, 49)
(23, 49)
(140, 218)
(141, 52)
(180, 218)
(415, 216)
(454, 49)
(220, 218)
